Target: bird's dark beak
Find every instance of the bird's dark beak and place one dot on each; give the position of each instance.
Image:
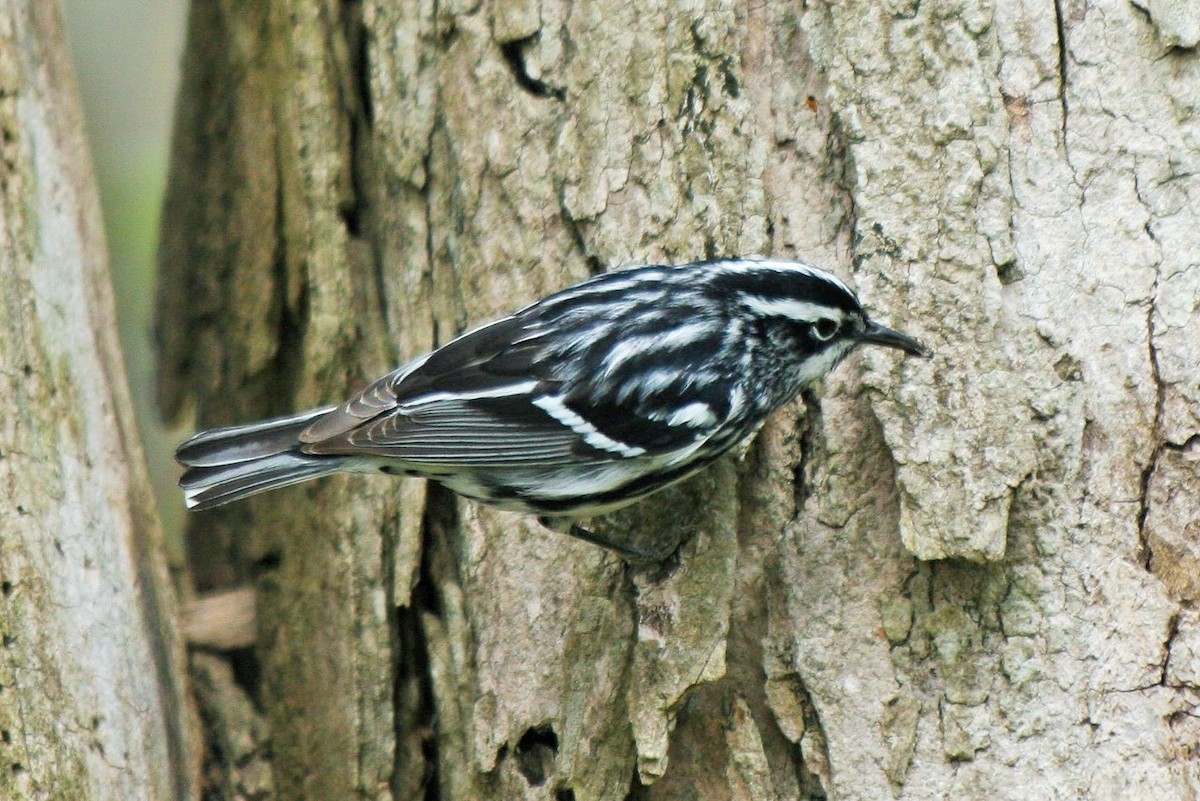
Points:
(877, 334)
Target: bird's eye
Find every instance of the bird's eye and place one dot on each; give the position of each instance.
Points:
(824, 329)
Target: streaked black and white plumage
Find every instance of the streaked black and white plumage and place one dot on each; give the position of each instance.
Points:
(581, 403)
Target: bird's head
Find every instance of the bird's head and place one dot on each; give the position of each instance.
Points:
(820, 318)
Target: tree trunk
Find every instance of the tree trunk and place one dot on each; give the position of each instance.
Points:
(92, 700)
(968, 577)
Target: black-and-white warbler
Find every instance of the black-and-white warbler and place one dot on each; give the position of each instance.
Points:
(581, 403)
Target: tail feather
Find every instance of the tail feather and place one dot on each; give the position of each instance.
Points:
(206, 487)
(227, 464)
(245, 442)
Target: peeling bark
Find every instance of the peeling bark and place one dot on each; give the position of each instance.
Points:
(968, 576)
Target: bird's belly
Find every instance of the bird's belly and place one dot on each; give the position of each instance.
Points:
(577, 491)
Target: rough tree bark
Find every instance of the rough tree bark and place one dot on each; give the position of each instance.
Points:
(92, 672)
(969, 577)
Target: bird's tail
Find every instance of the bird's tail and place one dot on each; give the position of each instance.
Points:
(226, 464)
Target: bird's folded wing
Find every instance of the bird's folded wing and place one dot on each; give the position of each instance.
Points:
(514, 425)
(502, 395)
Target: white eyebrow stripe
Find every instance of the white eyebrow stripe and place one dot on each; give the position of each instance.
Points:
(800, 310)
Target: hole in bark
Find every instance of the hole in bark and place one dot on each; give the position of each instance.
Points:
(17, 768)
(8, 641)
(27, 370)
(539, 735)
(271, 560)
(1068, 368)
(350, 218)
(6, 587)
(6, 737)
(1009, 273)
(514, 56)
(247, 672)
(564, 795)
(536, 751)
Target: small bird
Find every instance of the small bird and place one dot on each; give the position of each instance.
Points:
(581, 403)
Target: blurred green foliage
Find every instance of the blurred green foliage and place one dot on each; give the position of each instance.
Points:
(127, 55)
